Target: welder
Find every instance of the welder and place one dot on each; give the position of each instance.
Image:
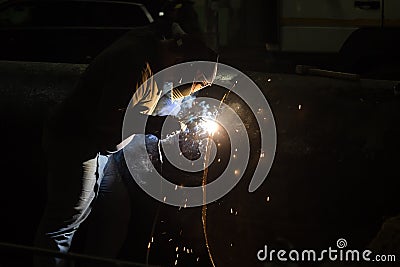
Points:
(83, 133)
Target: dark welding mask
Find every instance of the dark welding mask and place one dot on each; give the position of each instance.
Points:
(192, 49)
(203, 76)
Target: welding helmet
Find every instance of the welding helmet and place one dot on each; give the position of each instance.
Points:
(190, 46)
(203, 75)
(192, 49)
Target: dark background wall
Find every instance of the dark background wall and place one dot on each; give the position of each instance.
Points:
(335, 173)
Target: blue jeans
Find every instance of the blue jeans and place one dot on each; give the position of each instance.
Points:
(119, 200)
(72, 184)
(109, 220)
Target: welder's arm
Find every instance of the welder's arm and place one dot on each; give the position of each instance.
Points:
(115, 134)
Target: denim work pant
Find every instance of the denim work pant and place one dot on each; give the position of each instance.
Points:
(120, 199)
(72, 184)
(109, 220)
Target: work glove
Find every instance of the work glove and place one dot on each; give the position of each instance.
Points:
(162, 126)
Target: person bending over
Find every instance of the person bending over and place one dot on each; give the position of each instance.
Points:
(82, 134)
